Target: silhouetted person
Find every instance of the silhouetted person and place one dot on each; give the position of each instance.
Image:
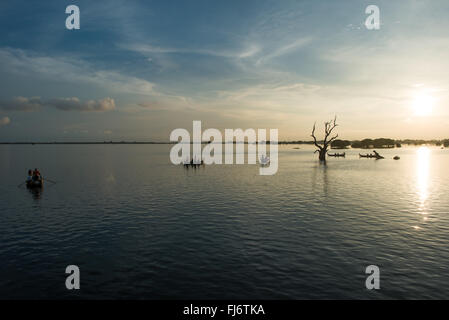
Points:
(30, 176)
(36, 175)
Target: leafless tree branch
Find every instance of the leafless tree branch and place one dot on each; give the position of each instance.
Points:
(328, 129)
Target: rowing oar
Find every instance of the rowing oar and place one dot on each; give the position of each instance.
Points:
(21, 184)
(46, 179)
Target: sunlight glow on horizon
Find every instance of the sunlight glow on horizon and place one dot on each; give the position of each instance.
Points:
(423, 104)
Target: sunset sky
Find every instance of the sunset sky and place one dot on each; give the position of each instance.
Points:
(136, 70)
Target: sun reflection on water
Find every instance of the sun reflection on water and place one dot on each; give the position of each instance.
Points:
(422, 177)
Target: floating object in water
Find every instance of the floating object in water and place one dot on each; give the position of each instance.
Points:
(296, 148)
(397, 158)
(264, 161)
(337, 155)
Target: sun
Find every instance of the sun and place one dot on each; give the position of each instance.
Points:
(422, 105)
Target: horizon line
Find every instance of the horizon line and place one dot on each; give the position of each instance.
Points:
(400, 141)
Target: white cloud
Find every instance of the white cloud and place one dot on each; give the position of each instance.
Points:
(284, 49)
(244, 52)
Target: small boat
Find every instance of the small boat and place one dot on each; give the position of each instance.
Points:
(337, 155)
(35, 184)
(370, 156)
(366, 155)
(192, 163)
(397, 158)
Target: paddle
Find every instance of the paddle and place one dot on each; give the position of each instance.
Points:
(46, 179)
(21, 184)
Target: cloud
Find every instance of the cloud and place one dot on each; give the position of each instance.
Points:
(284, 49)
(74, 104)
(64, 104)
(151, 105)
(71, 70)
(242, 53)
(4, 121)
(21, 104)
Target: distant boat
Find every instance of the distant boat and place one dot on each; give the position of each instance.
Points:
(337, 155)
(192, 163)
(397, 158)
(367, 155)
(370, 156)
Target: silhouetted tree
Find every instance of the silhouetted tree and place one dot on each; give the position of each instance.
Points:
(328, 128)
(446, 143)
(340, 144)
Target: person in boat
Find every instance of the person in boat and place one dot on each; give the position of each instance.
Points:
(30, 176)
(36, 175)
(377, 154)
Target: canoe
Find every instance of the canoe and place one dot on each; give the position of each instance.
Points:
(366, 155)
(35, 184)
(337, 154)
(370, 156)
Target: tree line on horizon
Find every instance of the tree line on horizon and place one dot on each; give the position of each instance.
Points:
(336, 144)
(374, 143)
(384, 143)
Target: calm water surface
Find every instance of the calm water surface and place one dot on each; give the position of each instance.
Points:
(139, 227)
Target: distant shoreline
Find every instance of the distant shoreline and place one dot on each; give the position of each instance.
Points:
(404, 142)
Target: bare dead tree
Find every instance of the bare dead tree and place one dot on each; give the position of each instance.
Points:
(328, 128)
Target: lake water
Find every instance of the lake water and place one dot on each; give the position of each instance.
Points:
(140, 227)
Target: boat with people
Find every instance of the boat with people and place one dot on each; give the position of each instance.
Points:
(366, 155)
(193, 162)
(34, 179)
(337, 155)
(374, 155)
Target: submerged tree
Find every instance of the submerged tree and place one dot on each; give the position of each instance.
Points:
(328, 128)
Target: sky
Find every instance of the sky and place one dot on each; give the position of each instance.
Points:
(136, 70)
